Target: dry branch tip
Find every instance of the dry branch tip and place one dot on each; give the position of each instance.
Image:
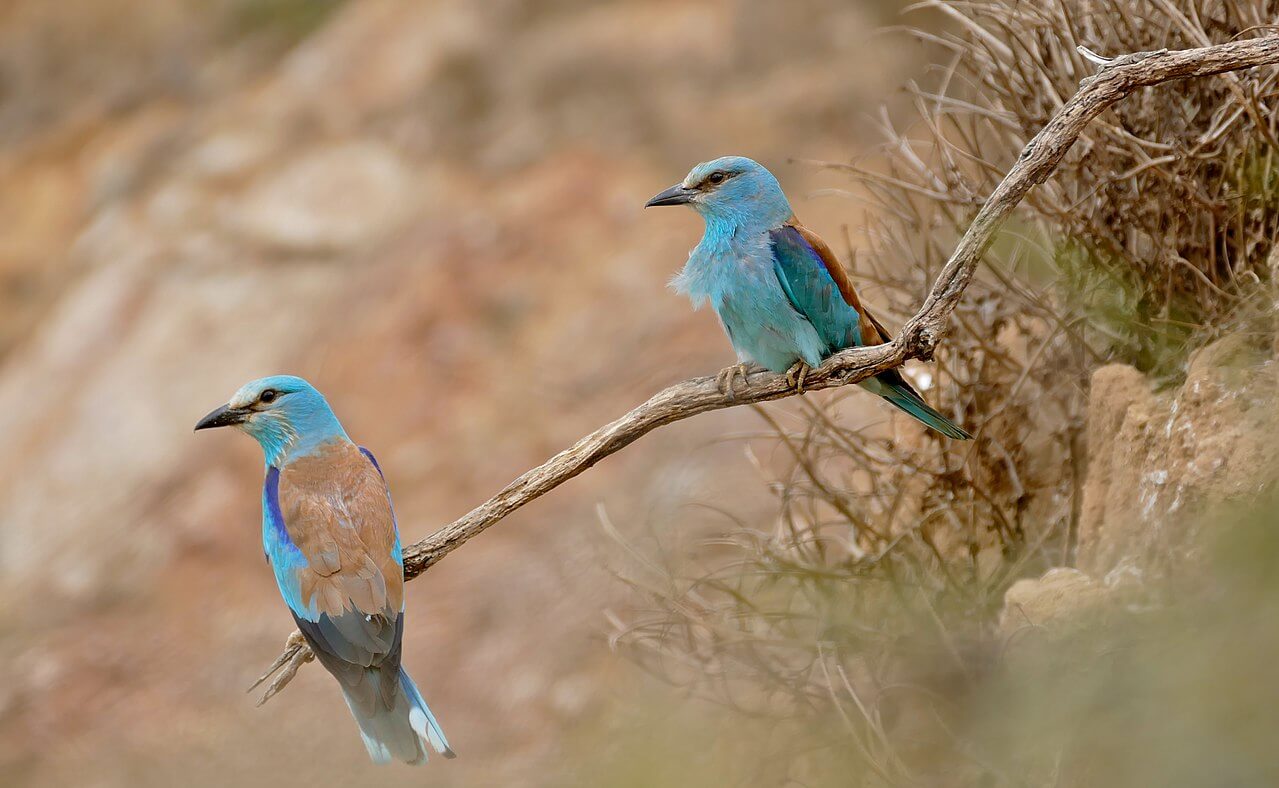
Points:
(1093, 57)
(296, 654)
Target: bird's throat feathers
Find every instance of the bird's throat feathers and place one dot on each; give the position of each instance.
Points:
(721, 258)
(296, 430)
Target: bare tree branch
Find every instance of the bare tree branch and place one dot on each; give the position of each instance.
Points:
(1115, 79)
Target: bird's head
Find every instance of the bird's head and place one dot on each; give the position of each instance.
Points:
(285, 414)
(733, 190)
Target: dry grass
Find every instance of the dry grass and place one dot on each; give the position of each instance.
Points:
(1160, 221)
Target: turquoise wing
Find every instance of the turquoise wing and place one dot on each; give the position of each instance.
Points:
(820, 289)
(813, 290)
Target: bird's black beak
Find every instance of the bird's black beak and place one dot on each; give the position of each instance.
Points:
(676, 195)
(224, 416)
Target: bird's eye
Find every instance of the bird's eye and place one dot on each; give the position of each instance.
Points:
(716, 178)
(267, 397)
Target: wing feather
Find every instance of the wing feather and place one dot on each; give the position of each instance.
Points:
(810, 274)
(813, 275)
(332, 541)
(337, 511)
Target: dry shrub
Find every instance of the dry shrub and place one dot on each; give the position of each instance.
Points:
(870, 602)
(1162, 216)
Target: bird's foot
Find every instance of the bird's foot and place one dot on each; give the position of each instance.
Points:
(724, 380)
(796, 375)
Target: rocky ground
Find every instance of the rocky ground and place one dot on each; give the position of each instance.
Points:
(1165, 469)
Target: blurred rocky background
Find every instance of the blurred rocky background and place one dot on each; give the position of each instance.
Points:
(433, 211)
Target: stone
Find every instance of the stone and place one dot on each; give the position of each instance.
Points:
(327, 200)
(1158, 462)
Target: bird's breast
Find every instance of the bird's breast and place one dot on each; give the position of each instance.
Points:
(722, 268)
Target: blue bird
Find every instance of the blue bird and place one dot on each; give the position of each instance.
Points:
(781, 295)
(329, 533)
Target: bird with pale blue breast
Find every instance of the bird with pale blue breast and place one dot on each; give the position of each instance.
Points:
(329, 533)
(782, 297)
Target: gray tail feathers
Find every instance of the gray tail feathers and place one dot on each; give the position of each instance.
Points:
(904, 397)
(396, 725)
